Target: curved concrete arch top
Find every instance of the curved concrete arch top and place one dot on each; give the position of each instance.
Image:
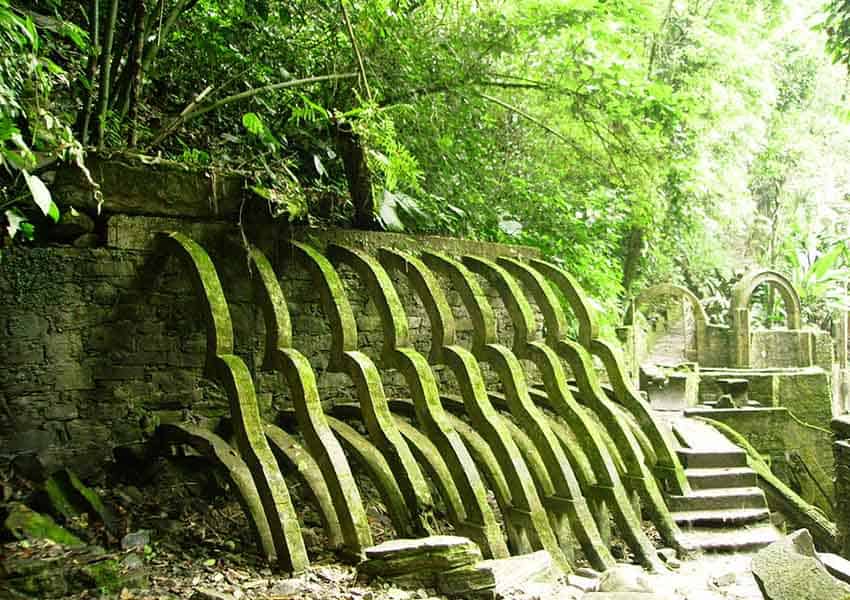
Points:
(588, 325)
(743, 291)
(667, 290)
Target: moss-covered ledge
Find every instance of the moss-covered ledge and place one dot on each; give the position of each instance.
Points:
(147, 185)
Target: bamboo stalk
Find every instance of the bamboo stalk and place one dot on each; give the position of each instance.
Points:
(137, 74)
(105, 66)
(356, 49)
(91, 70)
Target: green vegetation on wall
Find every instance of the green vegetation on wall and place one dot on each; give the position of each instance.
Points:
(634, 140)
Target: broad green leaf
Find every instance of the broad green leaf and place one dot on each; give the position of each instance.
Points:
(41, 196)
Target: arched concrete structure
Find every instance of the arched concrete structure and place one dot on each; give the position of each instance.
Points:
(669, 290)
(740, 309)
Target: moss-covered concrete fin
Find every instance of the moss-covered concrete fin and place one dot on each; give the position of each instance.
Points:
(212, 446)
(511, 294)
(547, 301)
(430, 293)
(381, 290)
(273, 303)
(588, 328)
(207, 287)
(334, 300)
(473, 297)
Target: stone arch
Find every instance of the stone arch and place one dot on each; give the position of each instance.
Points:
(743, 291)
(740, 309)
(667, 290)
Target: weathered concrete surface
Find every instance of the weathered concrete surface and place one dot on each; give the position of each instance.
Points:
(421, 563)
(790, 570)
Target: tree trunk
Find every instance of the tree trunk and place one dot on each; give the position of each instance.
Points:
(634, 249)
(358, 176)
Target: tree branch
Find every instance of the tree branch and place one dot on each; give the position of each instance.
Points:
(518, 111)
(188, 115)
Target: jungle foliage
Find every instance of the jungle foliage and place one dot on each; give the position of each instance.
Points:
(634, 140)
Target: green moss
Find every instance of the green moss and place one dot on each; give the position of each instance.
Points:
(24, 522)
(105, 576)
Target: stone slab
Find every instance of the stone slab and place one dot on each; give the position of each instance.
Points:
(790, 570)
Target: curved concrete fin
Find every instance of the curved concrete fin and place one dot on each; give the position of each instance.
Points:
(593, 492)
(554, 318)
(563, 403)
(208, 291)
(230, 372)
(522, 315)
(234, 377)
(334, 301)
(428, 289)
(476, 516)
(437, 470)
(566, 503)
(639, 476)
(288, 451)
(363, 373)
(212, 446)
(385, 435)
(669, 467)
(273, 304)
(373, 462)
(588, 328)
(480, 311)
(479, 517)
(528, 520)
(566, 497)
(381, 292)
(482, 534)
(325, 449)
(320, 441)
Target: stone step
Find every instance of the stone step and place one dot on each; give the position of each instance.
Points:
(720, 518)
(701, 479)
(701, 459)
(700, 436)
(735, 540)
(718, 498)
(837, 566)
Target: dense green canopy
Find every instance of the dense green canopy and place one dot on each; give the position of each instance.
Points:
(634, 140)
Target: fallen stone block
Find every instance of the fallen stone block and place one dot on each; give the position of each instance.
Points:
(790, 569)
(434, 553)
(418, 562)
(476, 580)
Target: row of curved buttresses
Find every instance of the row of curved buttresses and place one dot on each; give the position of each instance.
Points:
(566, 459)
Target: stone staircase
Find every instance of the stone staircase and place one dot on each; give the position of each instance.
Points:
(725, 511)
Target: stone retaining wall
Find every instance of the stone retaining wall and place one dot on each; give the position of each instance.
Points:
(95, 355)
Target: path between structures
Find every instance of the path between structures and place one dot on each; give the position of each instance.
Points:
(725, 511)
(705, 577)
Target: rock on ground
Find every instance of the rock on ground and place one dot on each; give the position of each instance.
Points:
(790, 570)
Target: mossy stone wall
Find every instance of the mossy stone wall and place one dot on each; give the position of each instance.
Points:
(96, 355)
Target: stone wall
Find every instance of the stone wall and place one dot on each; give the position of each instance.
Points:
(798, 453)
(841, 450)
(97, 351)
